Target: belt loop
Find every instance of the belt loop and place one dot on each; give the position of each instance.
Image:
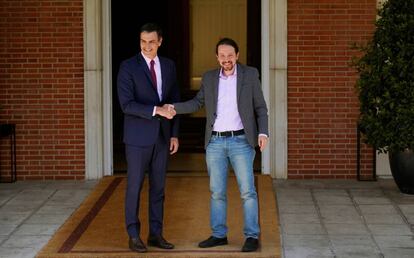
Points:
(219, 134)
(232, 133)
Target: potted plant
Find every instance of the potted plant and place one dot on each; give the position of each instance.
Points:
(386, 89)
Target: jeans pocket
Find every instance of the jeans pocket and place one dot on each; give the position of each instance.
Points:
(241, 138)
(213, 139)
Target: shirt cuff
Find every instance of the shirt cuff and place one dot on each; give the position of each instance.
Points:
(153, 111)
(262, 134)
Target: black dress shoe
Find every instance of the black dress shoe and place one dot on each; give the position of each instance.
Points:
(250, 245)
(136, 244)
(213, 241)
(160, 242)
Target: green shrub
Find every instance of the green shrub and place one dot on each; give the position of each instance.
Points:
(386, 79)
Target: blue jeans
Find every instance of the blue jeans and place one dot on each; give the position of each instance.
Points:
(238, 151)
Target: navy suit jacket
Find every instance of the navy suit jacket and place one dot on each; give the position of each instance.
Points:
(138, 96)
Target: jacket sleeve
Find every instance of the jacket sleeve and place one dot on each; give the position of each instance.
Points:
(128, 103)
(191, 105)
(175, 97)
(259, 104)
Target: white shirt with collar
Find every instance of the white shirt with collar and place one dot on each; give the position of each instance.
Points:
(157, 68)
(228, 117)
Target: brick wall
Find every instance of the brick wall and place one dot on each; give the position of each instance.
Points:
(322, 102)
(41, 87)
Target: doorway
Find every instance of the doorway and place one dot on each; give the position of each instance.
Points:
(187, 27)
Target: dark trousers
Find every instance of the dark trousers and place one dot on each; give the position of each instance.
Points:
(153, 159)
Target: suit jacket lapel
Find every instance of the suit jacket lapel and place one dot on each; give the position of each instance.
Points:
(144, 66)
(215, 92)
(239, 81)
(164, 80)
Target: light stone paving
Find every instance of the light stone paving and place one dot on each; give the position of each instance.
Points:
(318, 218)
(32, 211)
(345, 218)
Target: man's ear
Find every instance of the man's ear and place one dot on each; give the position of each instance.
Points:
(160, 41)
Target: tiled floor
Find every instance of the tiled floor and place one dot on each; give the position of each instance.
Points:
(30, 213)
(318, 218)
(345, 218)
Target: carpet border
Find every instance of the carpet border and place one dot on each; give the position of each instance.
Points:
(73, 238)
(108, 187)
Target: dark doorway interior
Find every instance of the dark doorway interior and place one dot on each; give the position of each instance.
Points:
(173, 16)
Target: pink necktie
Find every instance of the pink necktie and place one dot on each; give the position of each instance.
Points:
(153, 75)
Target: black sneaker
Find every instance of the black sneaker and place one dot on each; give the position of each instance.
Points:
(250, 245)
(213, 241)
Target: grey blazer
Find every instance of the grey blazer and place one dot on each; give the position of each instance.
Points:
(250, 101)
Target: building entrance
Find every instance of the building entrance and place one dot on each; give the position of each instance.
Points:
(191, 29)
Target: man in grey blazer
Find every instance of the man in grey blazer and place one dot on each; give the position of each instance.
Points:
(237, 121)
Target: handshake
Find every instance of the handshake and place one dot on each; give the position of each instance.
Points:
(167, 111)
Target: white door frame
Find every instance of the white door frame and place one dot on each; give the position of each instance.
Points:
(93, 89)
(98, 87)
(274, 83)
(107, 89)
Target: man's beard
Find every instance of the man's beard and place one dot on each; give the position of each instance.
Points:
(228, 66)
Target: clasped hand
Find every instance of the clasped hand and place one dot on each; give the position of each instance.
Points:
(167, 111)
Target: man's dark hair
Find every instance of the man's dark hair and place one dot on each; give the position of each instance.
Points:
(229, 42)
(151, 27)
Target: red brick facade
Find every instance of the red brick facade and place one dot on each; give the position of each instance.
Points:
(322, 103)
(41, 86)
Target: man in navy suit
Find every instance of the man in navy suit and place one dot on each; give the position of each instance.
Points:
(145, 82)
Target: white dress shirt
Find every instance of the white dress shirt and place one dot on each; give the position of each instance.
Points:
(157, 68)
